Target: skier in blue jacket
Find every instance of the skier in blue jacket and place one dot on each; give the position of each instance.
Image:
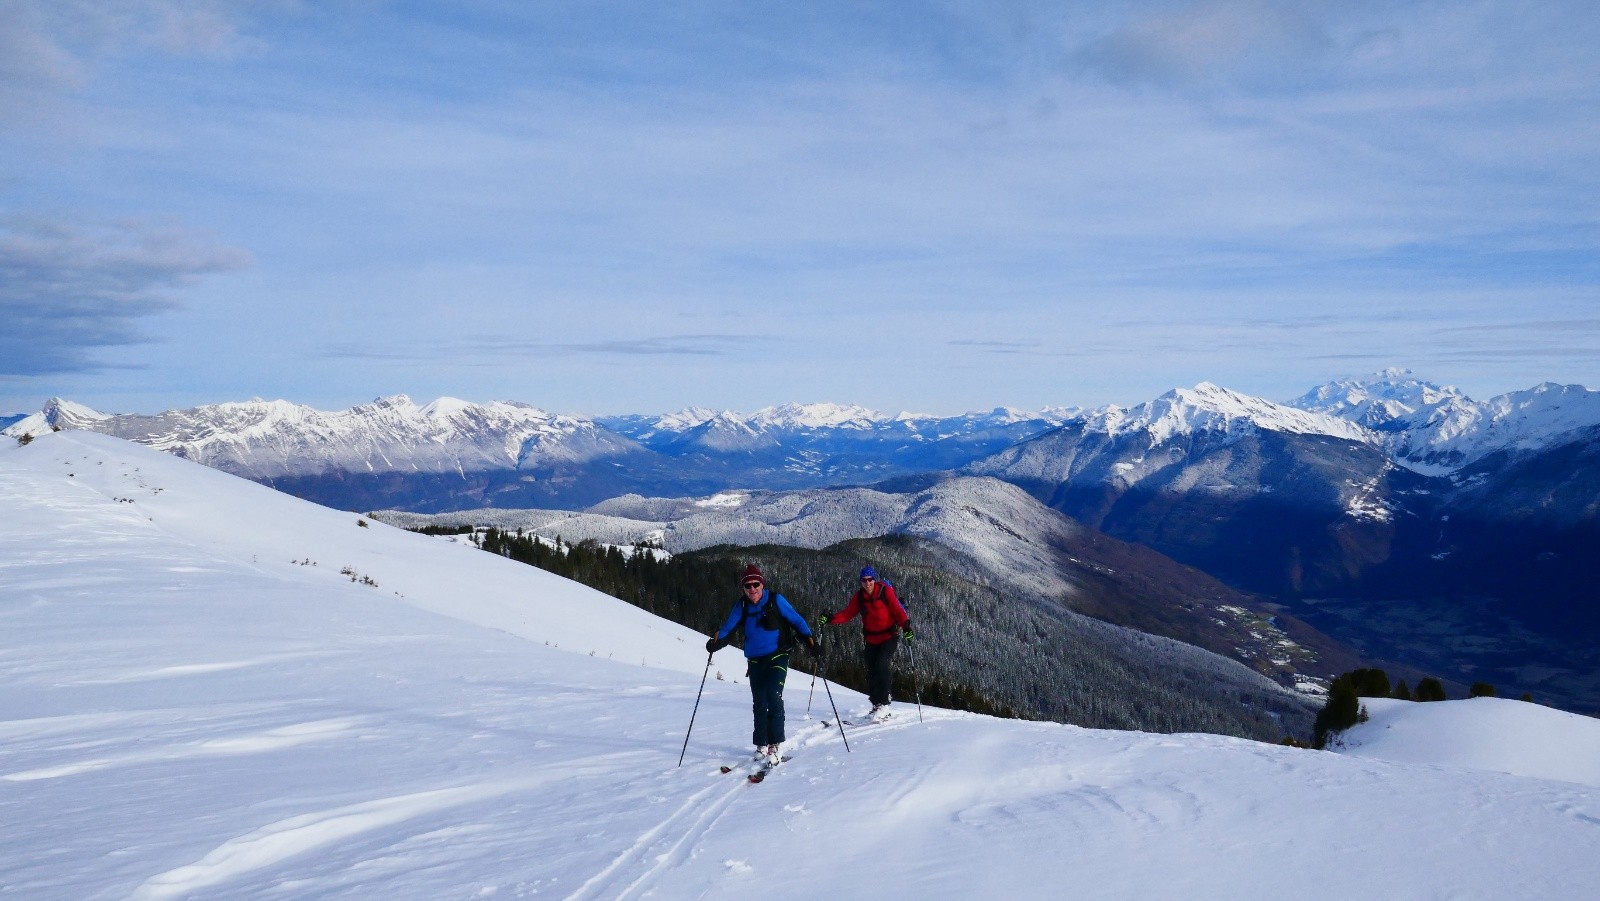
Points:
(766, 650)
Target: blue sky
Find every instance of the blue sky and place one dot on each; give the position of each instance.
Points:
(632, 207)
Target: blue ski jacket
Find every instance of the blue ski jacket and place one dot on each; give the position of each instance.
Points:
(760, 641)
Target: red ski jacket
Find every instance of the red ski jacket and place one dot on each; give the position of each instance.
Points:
(882, 617)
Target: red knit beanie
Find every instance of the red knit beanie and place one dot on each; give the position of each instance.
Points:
(752, 573)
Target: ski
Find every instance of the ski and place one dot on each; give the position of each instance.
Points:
(856, 724)
(728, 768)
(761, 774)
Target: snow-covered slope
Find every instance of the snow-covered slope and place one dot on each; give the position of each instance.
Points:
(1495, 734)
(188, 712)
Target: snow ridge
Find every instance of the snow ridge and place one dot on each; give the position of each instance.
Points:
(1211, 408)
(1436, 429)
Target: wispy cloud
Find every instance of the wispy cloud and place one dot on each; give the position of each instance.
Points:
(48, 47)
(1558, 326)
(67, 290)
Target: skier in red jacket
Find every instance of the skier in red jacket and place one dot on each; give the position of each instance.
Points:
(883, 621)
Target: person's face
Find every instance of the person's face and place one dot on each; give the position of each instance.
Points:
(753, 589)
(869, 584)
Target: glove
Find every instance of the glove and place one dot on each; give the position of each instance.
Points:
(713, 644)
(905, 630)
(822, 620)
(812, 643)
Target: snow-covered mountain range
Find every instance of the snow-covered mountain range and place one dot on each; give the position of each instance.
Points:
(450, 453)
(1436, 429)
(263, 440)
(1422, 426)
(198, 703)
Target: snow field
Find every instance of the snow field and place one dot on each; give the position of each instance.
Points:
(184, 713)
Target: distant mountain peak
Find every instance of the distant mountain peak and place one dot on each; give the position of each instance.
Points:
(814, 416)
(1208, 407)
(1436, 429)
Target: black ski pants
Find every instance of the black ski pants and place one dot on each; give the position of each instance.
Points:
(767, 675)
(878, 658)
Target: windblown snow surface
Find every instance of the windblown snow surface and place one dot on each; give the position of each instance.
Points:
(190, 708)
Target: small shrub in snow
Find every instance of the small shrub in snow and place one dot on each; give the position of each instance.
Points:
(1481, 690)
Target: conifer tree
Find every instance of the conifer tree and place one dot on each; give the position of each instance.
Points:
(1430, 689)
(1342, 711)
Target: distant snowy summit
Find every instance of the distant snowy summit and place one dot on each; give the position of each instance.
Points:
(1437, 429)
(1211, 408)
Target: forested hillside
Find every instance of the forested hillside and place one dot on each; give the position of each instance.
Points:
(977, 647)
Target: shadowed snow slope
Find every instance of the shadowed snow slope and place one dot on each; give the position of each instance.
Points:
(1481, 733)
(184, 712)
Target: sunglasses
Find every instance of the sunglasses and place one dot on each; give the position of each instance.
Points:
(868, 580)
(750, 585)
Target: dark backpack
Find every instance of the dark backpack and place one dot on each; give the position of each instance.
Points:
(772, 619)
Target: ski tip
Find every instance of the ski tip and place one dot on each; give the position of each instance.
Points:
(757, 777)
(727, 769)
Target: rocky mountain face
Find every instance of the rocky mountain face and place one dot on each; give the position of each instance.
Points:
(1276, 498)
(1354, 483)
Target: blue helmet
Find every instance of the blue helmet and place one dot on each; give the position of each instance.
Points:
(867, 572)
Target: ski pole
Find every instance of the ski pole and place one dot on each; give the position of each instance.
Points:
(911, 646)
(696, 709)
(834, 706)
(815, 665)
